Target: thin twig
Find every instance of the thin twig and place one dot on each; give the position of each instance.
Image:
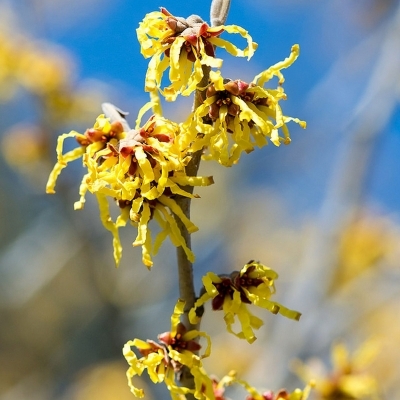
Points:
(185, 268)
(219, 8)
(219, 13)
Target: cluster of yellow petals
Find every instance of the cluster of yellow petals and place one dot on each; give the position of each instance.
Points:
(141, 170)
(254, 394)
(45, 70)
(349, 378)
(36, 66)
(254, 284)
(183, 51)
(162, 361)
(243, 115)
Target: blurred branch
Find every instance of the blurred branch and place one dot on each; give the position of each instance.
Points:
(46, 249)
(343, 196)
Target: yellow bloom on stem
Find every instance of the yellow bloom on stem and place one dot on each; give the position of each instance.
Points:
(243, 115)
(282, 394)
(176, 349)
(92, 141)
(184, 46)
(254, 284)
(349, 378)
(142, 171)
(231, 378)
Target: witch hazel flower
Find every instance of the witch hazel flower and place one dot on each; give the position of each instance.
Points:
(282, 394)
(185, 46)
(350, 376)
(165, 360)
(253, 284)
(253, 394)
(141, 170)
(237, 116)
(231, 378)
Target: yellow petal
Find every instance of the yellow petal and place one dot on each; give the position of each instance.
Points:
(176, 316)
(266, 75)
(232, 49)
(62, 160)
(82, 192)
(109, 225)
(174, 207)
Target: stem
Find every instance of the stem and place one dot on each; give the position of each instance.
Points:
(219, 13)
(185, 267)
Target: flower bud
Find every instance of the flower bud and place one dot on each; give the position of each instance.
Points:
(243, 86)
(172, 23)
(213, 111)
(233, 109)
(82, 140)
(211, 91)
(94, 135)
(177, 24)
(282, 395)
(194, 19)
(232, 87)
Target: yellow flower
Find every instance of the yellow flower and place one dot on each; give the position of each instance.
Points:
(243, 115)
(365, 242)
(282, 394)
(254, 284)
(142, 170)
(92, 141)
(176, 350)
(228, 380)
(349, 378)
(184, 46)
(39, 67)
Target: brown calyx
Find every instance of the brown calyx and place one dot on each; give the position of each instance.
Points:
(92, 135)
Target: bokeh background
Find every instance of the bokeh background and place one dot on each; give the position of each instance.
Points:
(323, 212)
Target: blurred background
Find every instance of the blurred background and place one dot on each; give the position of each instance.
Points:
(323, 212)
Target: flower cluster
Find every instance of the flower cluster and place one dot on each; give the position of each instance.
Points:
(184, 46)
(178, 349)
(46, 71)
(349, 378)
(235, 116)
(243, 115)
(166, 359)
(283, 394)
(253, 284)
(142, 170)
(38, 67)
